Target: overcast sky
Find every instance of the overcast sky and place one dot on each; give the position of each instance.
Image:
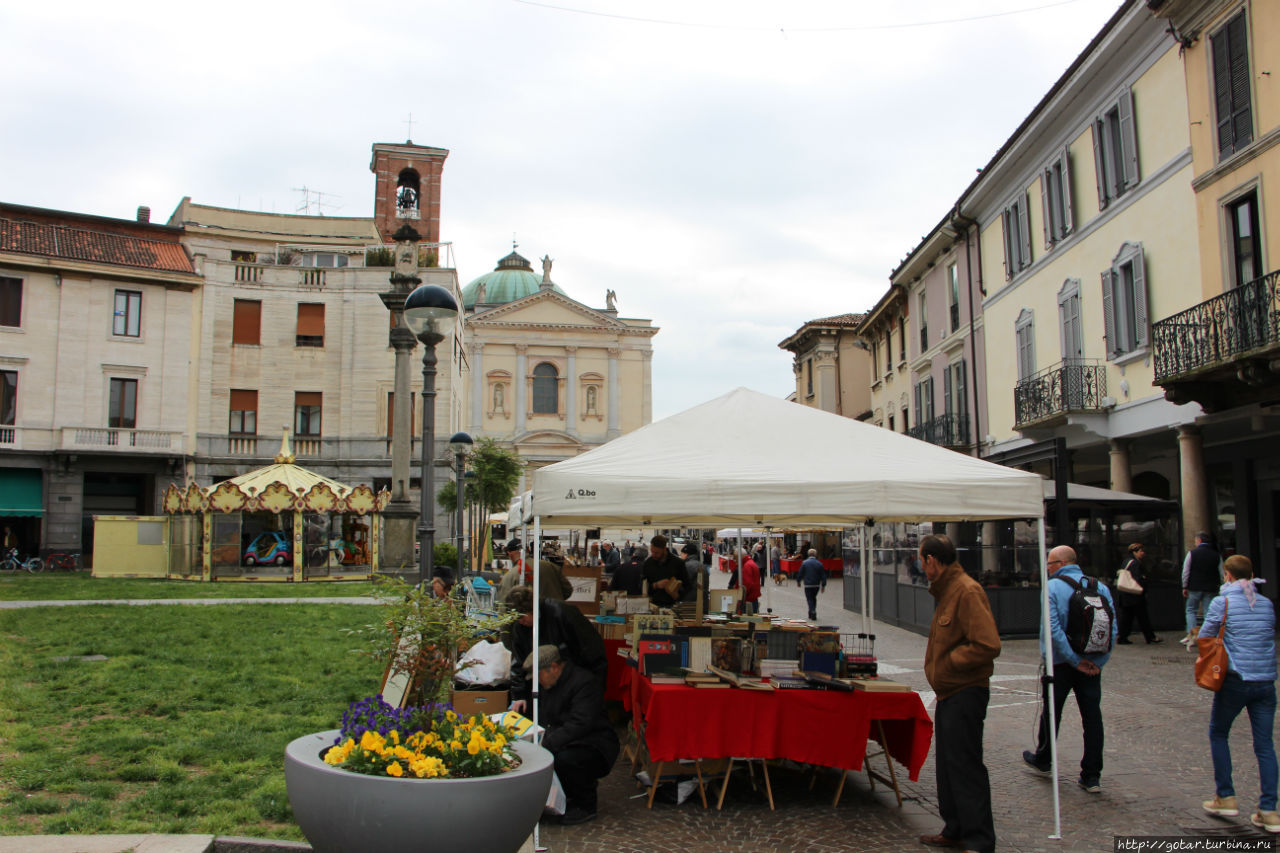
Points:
(731, 168)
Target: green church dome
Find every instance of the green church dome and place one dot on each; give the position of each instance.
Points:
(513, 278)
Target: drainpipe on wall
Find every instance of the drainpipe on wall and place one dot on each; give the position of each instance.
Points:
(959, 220)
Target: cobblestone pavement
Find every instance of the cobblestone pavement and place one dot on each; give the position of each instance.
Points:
(1157, 769)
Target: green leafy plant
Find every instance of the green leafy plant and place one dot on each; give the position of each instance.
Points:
(422, 636)
(379, 258)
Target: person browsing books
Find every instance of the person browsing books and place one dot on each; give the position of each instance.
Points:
(561, 625)
(664, 572)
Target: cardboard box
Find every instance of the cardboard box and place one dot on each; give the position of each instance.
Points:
(468, 702)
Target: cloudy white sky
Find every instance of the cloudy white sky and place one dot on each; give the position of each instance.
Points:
(731, 168)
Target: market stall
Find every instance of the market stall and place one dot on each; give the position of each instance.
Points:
(726, 463)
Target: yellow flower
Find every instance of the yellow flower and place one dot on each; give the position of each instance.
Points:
(473, 747)
(395, 736)
(372, 741)
(394, 769)
(451, 716)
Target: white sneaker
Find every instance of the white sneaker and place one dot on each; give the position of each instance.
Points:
(1270, 821)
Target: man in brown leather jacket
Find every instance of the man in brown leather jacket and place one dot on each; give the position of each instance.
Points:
(959, 660)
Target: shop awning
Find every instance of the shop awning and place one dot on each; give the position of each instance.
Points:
(21, 492)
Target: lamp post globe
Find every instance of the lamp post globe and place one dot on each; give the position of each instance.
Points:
(459, 443)
(426, 310)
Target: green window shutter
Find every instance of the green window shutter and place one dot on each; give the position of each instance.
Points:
(1046, 202)
(1006, 221)
(1222, 90)
(1024, 233)
(1067, 223)
(1241, 110)
(1099, 164)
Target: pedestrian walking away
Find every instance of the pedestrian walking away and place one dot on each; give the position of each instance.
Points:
(1082, 629)
(1133, 605)
(958, 662)
(1249, 637)
(1201, 576)
(813, 577)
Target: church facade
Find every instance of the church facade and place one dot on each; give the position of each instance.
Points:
(548, 375)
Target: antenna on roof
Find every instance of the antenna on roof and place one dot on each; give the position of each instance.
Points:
(319, 200)
(409, 137)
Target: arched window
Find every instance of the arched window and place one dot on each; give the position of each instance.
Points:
(546, 394)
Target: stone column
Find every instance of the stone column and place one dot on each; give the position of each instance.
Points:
(1121, 478)
(478, 390)
(403, 341)
(1195, 495)
(614, 394)
(571, 392)
(400, 518)
(646, 409)
(521, 381)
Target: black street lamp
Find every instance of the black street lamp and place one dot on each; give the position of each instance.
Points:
(426, 309)
(460, 443)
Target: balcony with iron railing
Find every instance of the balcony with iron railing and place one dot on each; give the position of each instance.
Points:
(1071, 386)
(1223, 349)
(949, 430)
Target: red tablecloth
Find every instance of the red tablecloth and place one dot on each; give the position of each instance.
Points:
(826, 727)
(617, 685)
(833, 567)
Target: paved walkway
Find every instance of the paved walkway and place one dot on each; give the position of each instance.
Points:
(1157, 770)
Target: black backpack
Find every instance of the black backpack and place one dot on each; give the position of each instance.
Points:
(1089, 617)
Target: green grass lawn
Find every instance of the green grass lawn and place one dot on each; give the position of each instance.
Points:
(183, 728)
(68, 586)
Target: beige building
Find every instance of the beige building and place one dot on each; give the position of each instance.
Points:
(1219, 349)
(831, 366)
(548, 375)
(884, 330)
(97, 336)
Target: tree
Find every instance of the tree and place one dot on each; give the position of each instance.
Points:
(497, 473)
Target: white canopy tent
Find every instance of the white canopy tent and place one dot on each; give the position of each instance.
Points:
(746, 459)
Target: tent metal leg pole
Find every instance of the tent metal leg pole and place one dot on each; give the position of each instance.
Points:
(1046, 655)
(862, 575)
(537, 657)
(871, 597)
(765, 569)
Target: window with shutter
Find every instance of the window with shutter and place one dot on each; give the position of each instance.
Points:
(948, 404)
(244, 413)
(1017, 236)
(310, 324)
(953, 296)
(958, 388)
(1115, 149)
(1024, 342)
(246, 323)
(924, 323)
(391, 416)
(1231, 86)
(1055, 196)
(1124, 302)
(307, 408)
(8, 397)
(1072, 333)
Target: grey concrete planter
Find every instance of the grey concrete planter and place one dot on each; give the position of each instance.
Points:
(343, 812)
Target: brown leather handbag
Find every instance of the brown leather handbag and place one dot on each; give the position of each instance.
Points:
(1211, 665)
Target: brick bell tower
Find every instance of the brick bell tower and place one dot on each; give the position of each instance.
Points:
(408, 189)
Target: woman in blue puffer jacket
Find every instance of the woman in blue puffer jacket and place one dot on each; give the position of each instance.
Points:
(1250, 684)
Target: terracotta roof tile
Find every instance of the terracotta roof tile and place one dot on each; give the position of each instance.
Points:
(103, 247)
(837, 320)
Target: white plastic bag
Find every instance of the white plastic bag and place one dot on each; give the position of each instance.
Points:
(556, 801)
(491, 664)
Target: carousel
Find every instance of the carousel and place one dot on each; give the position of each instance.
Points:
(281, 522)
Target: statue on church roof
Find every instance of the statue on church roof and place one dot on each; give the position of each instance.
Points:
(546, 269)
(610, 300)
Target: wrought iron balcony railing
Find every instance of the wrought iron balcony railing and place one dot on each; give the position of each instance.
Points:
(1219, 330)
(1075, 385)
(948, 430)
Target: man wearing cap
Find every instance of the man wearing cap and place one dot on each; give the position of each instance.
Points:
(578, 733)
(561, 625)
(552, 583)
(664, 572)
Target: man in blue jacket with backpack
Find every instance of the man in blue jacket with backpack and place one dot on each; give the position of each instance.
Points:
(1082, 624)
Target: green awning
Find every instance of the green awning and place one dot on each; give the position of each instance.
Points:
(21, 492)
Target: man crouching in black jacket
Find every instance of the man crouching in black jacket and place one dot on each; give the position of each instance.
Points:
(577, 733)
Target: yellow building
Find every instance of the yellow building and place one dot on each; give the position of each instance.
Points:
(884, 331)
(1220, 351)
(1088, 229)
(832, 365)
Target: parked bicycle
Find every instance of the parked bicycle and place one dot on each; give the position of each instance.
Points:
(62, 562)
(11, 563)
